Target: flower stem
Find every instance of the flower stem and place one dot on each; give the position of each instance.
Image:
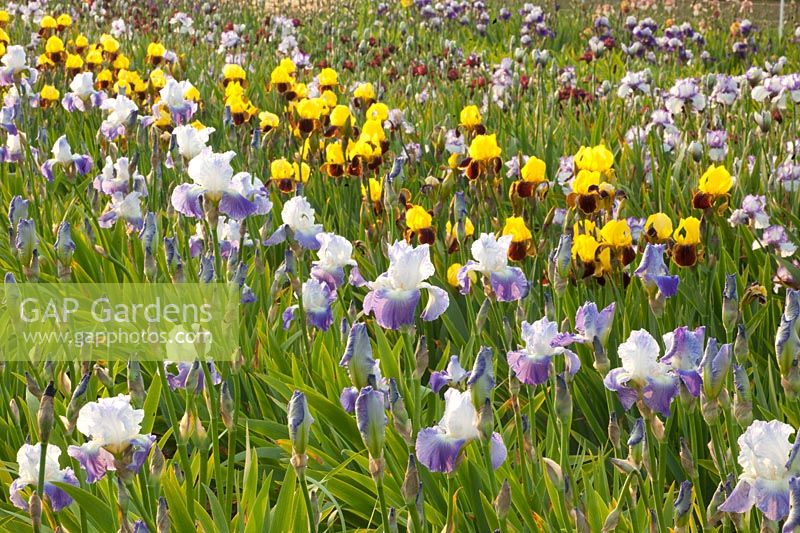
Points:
(312, 523)
(382, 501)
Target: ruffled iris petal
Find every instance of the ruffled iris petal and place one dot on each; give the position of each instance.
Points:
(393, 309)
(437, 451)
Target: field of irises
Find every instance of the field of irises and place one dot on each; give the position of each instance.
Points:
(501, 266)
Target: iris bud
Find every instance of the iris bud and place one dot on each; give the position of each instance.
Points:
(402, 423)
(300, 421)
(742, 397)
(687, 460)
(227, 406)
(730, 303)
(65, 248)
(46, 414)
(410, 487)
(502, 503)
(563, 404)
(682, 506)
(371, 420)
(162, 516)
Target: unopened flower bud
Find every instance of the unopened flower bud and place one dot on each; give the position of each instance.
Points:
(483, 314)
(32, 386)
(46, 415)
(402, 422)
(157, 462)
(136, 383)
(421, 357)
(14, 410)
(613, 430)
(687, 459)
(612, 520)
(502, 503)
(636, 442)
(549, 306)
(741, 346)
(742, 397)
(226, 405)
(77, 401)
(695, 150)
(486, 420)
(554, 473)
(193, 377)
(104, 377)
(65, 248)
(300, 421)
(162, 516)
(730, 303)
(410, 487)
(713, 514)
(563, 404)
(683, 505)
(35, 510)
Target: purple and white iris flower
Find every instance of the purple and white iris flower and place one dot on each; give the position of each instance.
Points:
(64, 158)
(14, 62)
(116, 178)
(532, 364)
(717, 141)
(191, 141)
(214, 182)
(179, 380)
(121, 110)
(769, 464)
(777, 238)
(655, 277)
(28, 458)
(12, 151)
(438, 447)
(82, 95)
(113, 427)
(334, 254)
(591, 324)
(685, 94)
(317, 299)
(452, 376)
(361, 367)
(683, 352)
(753, 212)
(491, 259)
(642, 376)
(298, 221)
(126, 207)
(395, 294)
(173, 96)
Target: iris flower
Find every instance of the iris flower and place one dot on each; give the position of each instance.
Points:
(532, 363)
(655, 276)
(438, 447)
(191, 140)
(317, 299)
(491, 259)
(334, 254)
(642, 376)
(395, 294)
(113, 427)
(683, 352)
(64, 158)
(121, 111)
(769, 464)
(214, 181)
(298, 222)
(28, 458)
